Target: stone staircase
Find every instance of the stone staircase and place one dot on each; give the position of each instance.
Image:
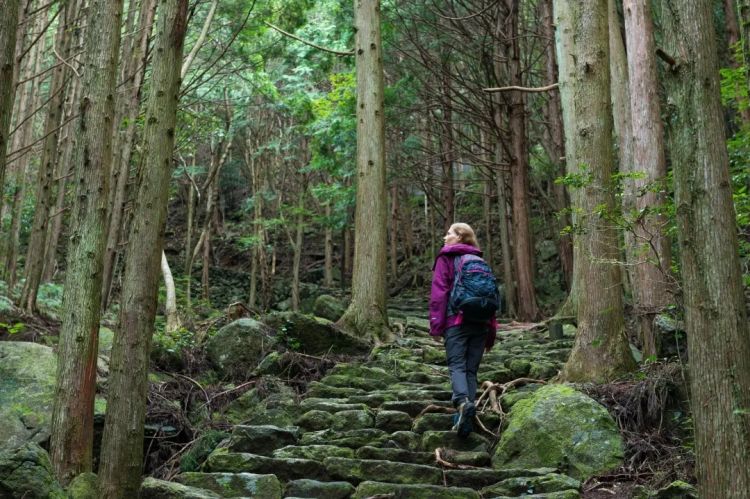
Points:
(381, 428)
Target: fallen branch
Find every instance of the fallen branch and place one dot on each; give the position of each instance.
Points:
(523, 89)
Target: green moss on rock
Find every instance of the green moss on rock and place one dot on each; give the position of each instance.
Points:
(237, 348)
(27, 472)
(234, 484)
(378, 489)
(84, 486)
(316, 489)
(562, 428)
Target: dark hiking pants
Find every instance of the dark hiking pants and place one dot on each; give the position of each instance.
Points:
(464, 346)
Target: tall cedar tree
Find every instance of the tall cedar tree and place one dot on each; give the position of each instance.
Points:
(122, 443)
(72, 440)
(715, 313)
(8, 25)
(366, 314)
(601, 350)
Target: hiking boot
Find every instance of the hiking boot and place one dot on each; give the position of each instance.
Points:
(463, 419)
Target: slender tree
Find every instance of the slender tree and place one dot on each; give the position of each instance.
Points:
(122, 443)
(715, 312)
(601, 349)
(650, 255)
(8, 25)
(367, 314)
(72, 439)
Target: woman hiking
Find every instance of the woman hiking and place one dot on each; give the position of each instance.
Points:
(466, 331)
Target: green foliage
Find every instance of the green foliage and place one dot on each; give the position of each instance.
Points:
(14, 328)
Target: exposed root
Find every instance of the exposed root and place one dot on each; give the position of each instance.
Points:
(441, 458)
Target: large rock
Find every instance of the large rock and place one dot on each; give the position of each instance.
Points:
(27, 472)
(261, 439)
(328, 307)
(561, 428)
(314, 335)
(27, 384)
(151, 488)
(238, 347)
(271, 401)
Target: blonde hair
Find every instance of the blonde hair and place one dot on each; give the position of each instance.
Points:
(465, 234)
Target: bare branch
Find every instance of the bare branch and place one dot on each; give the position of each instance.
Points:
(311, 44)
(523, 89)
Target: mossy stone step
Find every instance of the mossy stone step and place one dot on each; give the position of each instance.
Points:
(413, 407)
(467, 458)
(151, 488)
(330, 405)
(344, 381)
(393, 454)
(374, 399)
(433, 421)
(360, 470)
(403, 440)
(350, 438)
(379, 489)
(234, 484)
(544, 484)
(480, 478)
(323, 490)
(361, 372)
(261, 439)
(431, 440)
(314, 452)
(391, 421)
(321, 390)
(341, 420)
(285, 469)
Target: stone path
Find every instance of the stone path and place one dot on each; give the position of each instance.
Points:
(371, 430)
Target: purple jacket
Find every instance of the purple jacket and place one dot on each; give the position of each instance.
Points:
(442, 282)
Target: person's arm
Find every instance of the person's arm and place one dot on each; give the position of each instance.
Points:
(491, 335)
(442, 279)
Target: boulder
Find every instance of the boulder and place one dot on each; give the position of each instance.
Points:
(561, 428)
(328, 307)
(271, 401)
(27, 472)
(237, 348)
(84, 486)
(314, 335)
(27, 384)
(261, 439)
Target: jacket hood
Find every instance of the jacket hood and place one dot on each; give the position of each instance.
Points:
(460, 249)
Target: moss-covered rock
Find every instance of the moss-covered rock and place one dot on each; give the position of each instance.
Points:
(431, 440)
(349, 438)
(261, 439)
(314, 335)
(26, 472)
(543, 370)
(314, 452)
(234, 484)
(193, 459)
(322, 490)
(519, 368)
(315, 420)
(237, 348)
(403, 491)
(330, 405)
(562, 428)
(84, 486)
(329, 307)
(322, 390)
(391, 421)
(352, 420)
(270, 402)
(151, 488)
(359, 470)
(551, 482)
(27, 384)
(395, 454)
(285, 469)
(433, 421)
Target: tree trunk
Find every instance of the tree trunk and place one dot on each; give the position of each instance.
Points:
(299, 228)
(170, 305)
(650, 256)
(8, 26)
(27, 102)
(601, 350)
(744, 7)
(37, 239)
(71, 445)
(367, 314)
(556, 149)
(447, 148)
(519, 169)
(128, 104)
(328, 268)
(122, 442)
(394, 231)
(715, 313)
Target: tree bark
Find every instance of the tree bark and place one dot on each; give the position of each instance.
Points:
(519, 170)
(744, 8)
(366, 314)
(556, 148)
(447, 146)
(37, 239)
(170, 305)
(601, 350)
(328, 266)
(650, 255)
(8, 26)
(715, 312)
(128, 106)
(72, 438)
(122, 442)
(394, 231)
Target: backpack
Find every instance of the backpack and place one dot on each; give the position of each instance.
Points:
(474, 291)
